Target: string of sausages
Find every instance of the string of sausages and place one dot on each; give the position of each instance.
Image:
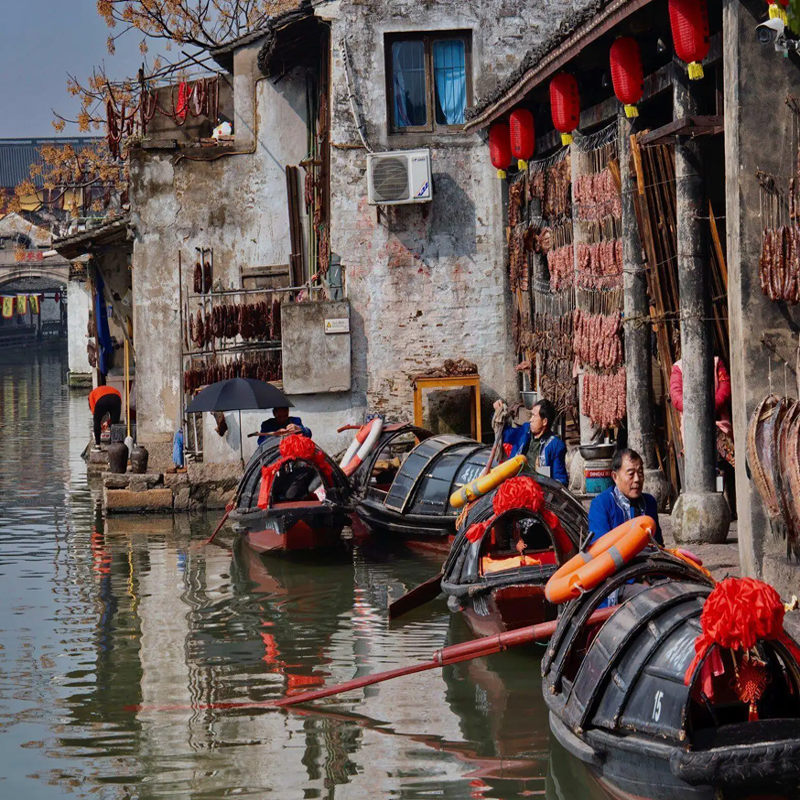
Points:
(603, 398)
(261, 321)
(596, 196)
(779, 265)
(596, 339)
(600, 265)
(203, 277)
(259, 366)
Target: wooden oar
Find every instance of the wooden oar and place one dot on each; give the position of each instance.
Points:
(219, 527)
(485, 646)
(432, 588)
(417, 597)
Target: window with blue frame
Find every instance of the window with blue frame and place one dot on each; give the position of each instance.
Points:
(428, 81)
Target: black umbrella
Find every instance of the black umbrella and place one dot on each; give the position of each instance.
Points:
(239, 394)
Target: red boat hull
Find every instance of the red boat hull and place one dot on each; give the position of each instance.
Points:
(509, 608)
(293, 527)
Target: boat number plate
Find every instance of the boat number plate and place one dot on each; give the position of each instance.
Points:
(657, 706)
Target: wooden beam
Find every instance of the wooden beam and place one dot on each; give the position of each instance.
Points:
(685, 126)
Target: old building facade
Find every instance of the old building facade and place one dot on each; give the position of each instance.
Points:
(314, 93)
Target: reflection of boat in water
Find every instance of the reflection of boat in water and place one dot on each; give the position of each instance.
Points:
(404, 487)
(631, 703)
(497, 580)
(302, 506)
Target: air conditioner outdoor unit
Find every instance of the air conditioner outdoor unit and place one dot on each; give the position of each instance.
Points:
(399, 177)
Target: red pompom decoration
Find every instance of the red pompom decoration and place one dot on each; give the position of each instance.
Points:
(627, 73)
(294, 446)
(689, 22)
(297, 446)
(500, 147)
(523, 136)
(519, 492)
(565, 105)
(736, 615)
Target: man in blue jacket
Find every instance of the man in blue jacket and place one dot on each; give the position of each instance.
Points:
(281, 421)
(625, 500)
(536, 440)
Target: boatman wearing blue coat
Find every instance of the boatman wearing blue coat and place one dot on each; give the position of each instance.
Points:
(283, 423)
(625, 499)
(536, 440)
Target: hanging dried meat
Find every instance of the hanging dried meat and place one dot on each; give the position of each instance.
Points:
(561, 264)
(597, 342)
(596, 196)
(779, 265)
(603, 398)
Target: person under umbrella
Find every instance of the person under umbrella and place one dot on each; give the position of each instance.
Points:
(281, 423)
(239, 394)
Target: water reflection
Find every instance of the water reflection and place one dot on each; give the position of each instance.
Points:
(98, 615)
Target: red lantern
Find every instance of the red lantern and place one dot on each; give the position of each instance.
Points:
(565, 105)
(523, 136)
(689, 22)
(500, 147)
(627, 73)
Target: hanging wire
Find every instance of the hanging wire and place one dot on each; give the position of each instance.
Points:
(597, 140)
(544, 164)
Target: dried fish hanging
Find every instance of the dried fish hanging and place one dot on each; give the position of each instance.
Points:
(551, 340)
(598, 278)
(519, 237)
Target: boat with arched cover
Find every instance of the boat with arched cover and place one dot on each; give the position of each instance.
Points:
(631, 701)
(497, 580)
(303, 506)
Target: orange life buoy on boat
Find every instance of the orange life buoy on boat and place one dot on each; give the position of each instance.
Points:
(587, 570)
(361, 446)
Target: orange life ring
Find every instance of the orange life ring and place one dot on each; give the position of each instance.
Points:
(587, 570)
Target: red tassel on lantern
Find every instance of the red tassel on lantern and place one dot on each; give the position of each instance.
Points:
(500, 147)
(523, 136)
(565, 105)
(689, 22)
(627, 73)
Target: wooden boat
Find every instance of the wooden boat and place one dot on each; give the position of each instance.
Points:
(618, 701)
(308, 504)
(498, 581)
(404, 487)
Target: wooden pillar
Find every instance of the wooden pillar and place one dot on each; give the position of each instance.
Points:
(701, 514)
(696, 334)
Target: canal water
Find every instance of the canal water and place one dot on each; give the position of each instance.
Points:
(114, 632)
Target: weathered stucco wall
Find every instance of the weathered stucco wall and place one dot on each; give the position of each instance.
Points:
(428, 282)
(236, 205)
(758, 127)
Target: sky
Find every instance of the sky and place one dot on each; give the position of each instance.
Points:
(40, 42)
